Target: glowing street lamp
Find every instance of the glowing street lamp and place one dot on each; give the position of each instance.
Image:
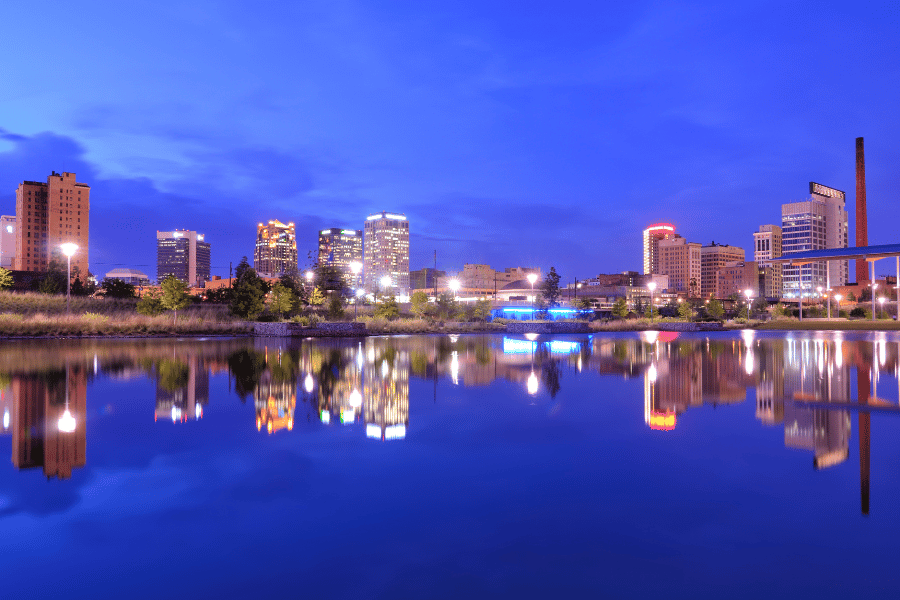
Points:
(385, 283)
(749, 293)
(881, 301)
(532, 384)
(69, 249)
(838, 298)
(874, 287)
(453, 285)
(651, 286)
(355, 268)
(359, 295)
(532, 277)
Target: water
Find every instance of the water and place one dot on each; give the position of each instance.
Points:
(635, 465)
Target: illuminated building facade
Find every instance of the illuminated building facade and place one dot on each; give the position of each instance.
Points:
(766, 246)
(7, 241)
(680, 260)
(386, 252)
(275, 253)
(650, 243)
(340, 247)
(184, 254)
(50, 214)
(819, 223)
(182, 389)
(712, 258)
(736, 278)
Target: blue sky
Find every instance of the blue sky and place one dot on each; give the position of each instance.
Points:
(510, 133)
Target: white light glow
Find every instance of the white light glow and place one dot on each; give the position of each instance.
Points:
(386, 281)
(325, 416)
(453, 285)
(531, 336)
(373, 431)
(652, 374)
(66, 422)
(651, 286)
(395, 432)
(532, 384)
(198, 411)
(308, 383)
(69, 249)
(9, 229)
(532, 277)
(6, 419)
(355, 399)
(355, 267)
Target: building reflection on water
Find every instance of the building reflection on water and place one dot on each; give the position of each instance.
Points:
(810, 386)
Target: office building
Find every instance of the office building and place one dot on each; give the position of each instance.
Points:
(680, 260)
(736, 278)
(386, 252)
(766, 246)
(131, 276)
(425, 278)
(276, 249)
(712, 258)
(651, 238)
(48, 215)
(7, 241)
(339, 248)
(184, 254)
(818, 223)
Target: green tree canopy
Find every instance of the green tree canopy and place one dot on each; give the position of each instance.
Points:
(281, 299)
(174, 295)
(482, 309)
(116, 288)
(6, 279)
(248, 293)
(150, 303)
(620, 308)
(715, 309)
(388, 309)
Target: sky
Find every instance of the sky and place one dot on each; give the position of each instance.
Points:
(509, 133)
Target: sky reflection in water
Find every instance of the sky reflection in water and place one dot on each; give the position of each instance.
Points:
(449, 466)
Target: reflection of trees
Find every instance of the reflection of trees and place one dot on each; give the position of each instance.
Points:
(551, 377)
(173, 374)
(246, 367)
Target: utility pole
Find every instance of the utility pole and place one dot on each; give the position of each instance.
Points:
(229, 274)
(434, 275)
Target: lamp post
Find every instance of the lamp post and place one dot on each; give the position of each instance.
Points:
(881, 301)
(359, 295)
(837, 298)
(532, 277)
(874, 287)
(66, 422)
(819, 290)
(454, 286)
(69, 249)
(828, 305)
(651, 286)
(355, 268)
(385, 283)
(749, 293)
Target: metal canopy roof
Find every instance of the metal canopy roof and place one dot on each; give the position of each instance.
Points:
(867, 252)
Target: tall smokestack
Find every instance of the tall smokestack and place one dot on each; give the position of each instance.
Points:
(862, 226)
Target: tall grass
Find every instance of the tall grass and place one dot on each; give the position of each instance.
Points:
(377, 325)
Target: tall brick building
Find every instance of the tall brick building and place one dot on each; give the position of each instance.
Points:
(50, 214)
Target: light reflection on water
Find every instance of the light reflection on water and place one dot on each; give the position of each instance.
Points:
(819, 389)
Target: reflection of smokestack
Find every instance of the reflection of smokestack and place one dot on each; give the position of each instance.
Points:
(862, 227)
(862, 391)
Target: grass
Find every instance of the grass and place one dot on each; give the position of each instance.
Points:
(32, 314)
(841, 325)
(378, 326)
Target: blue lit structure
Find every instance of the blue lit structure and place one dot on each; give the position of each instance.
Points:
(525, 313)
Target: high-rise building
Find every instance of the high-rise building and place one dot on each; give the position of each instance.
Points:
(48, 215)
(712, 258)
(680, 260)
(339, 248)
(386, 248)
(7, 241)
(736, 278)
(818, 223)
(276, 249)
(766, 246)
(651, 238)
(184, 254)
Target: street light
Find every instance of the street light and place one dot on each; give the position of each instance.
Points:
(874, 287)
(385, 283)
(454, 285)
(651, 286)
(532, 277)
(69, 249)
(359, 295)
(749, 293)
(837, 298)
(881, 301)
(819, 289)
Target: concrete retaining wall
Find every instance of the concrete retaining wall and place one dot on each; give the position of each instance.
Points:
(320, 330)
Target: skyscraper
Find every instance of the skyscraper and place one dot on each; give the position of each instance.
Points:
(766, 246)
(276, 249)
(712, 258)
(680, 260)
(386, 247)
(815, 224)
(184, 254)
(651, 237)
(340, 247)
(50, 214)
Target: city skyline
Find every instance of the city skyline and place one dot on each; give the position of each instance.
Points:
(506, 139)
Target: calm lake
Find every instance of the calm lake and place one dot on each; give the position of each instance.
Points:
(724, 465)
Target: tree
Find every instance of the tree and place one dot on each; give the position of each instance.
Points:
(150, 304)
(281, 299)
(219, 295)
(446, 306)
(550, 288)
(336, 307)
(851, 297)
(6, 279)
(715, 309)
(316, 298)
(330, 280)
(174, 295)
(684, 310)
(388, 309)
(620, 308)
(116, 288)
(419, 302)
(482, 309)
(248, 294)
